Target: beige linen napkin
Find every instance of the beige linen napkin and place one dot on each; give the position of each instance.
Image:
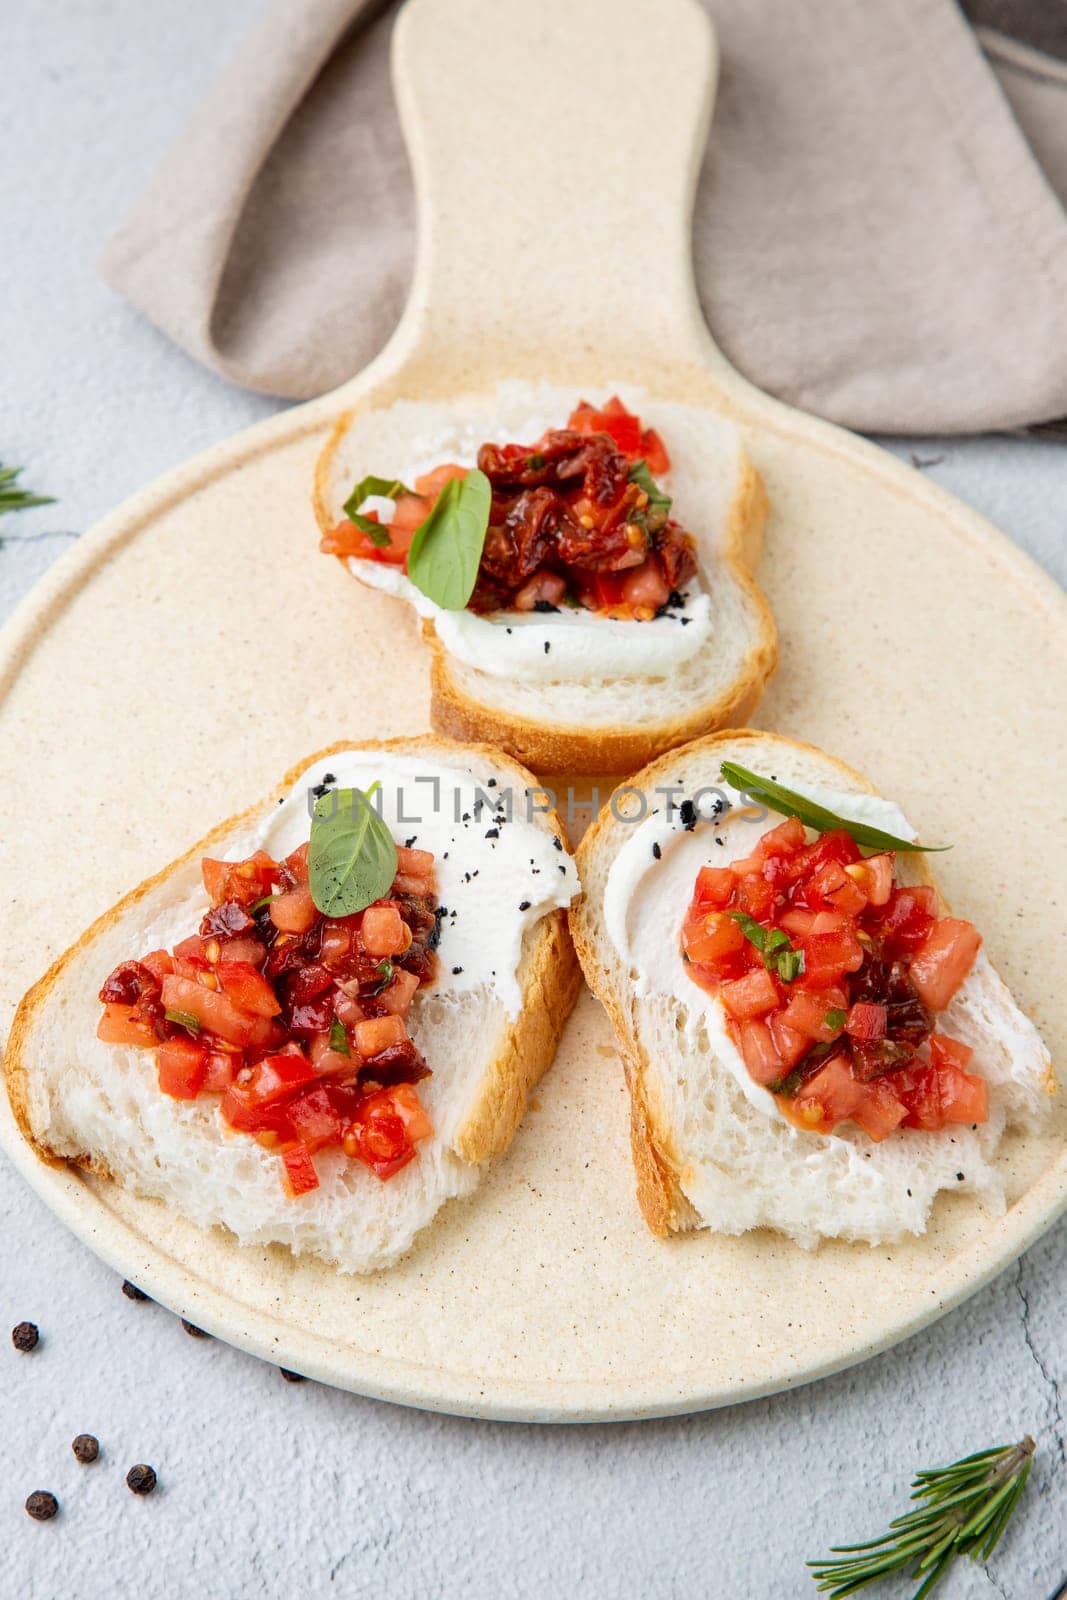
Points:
(875, 238)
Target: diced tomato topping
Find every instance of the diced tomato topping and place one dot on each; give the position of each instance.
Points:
(578, 518)
(866, 1021)
(121, 1024)
(751, 996)
(247, 988)
(296, 1021)
(758, 1049)
(386, 1128)
(295, 911)
(182, 1066)
(378, 1034)
(943, 960)
(385, 933)
(243, 881)
(300, 1174)
(830, 975)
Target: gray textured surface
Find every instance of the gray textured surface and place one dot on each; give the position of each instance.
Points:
(270, 1489)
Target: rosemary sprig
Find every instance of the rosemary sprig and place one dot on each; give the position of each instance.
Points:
(967, 1507)
(12, 498)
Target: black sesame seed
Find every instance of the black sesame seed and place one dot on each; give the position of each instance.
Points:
(131, 1291)
(492, 833)
(909, 1194)
(86, 1448)
(42, 1506)
(24, 1336)
(656, 851)
(524, 905)
(292, 1377)
(490, 783)
(456, 971)
(193, 1331)
(557, 841)
(548, 647)
(688, 813)
(959, 1177)
(466, 816)
(141, 1479)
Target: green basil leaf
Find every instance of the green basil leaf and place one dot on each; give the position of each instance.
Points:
(352, 855)
(752, 930)
(446, 551)
(790, 964)
(385, 974)
(789, 804)
(339, 1038)
(778, 954)
(384, 488)
(835, 1019)
(184, 1019)
(659, 504)
(257, 905)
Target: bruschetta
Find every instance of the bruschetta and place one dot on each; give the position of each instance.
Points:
(317, 1025)
(812, 1043)
(583, 572)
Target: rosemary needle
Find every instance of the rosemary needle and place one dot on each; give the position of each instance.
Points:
(12, 498)
(966, 1508)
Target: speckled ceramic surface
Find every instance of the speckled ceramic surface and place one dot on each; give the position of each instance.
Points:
(189, 650)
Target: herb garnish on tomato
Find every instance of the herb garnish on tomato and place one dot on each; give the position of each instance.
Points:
(832, 974)
(576, 519)
(291, 1001)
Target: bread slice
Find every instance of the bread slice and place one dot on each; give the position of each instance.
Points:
(599, 722)
(711, 1150)
(79, 1100)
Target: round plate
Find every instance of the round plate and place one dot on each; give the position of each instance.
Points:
(184, 654)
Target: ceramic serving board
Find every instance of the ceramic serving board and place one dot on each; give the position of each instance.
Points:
(194, 645)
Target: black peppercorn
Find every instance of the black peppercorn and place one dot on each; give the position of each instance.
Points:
(86, 1448)
(193, 1331)
(291, 1377)
(24, 1336)
(131, 1291)
(42, 1506)
(141, 1479)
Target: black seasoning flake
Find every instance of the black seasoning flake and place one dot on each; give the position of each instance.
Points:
(141, 1479)
(456, 971)
(656, 851)
(718, 840)
(409, 842)
(292, 1377)
(193, 1331)
(563, 869)
(688, 813)
(557, 841)
(490, 783)
(131, 1291)
(959, 1177)
(685, 621)
(86, 1448)
(25, 1336)
(492, 833)
(466, 816)
(42, 1506)
(548, 646)
(524, 905)
(544, 606)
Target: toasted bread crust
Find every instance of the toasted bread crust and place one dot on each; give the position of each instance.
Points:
(656, 1160)
(549, 747)
(549, 973)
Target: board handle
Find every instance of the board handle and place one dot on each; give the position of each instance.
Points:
(555, 146)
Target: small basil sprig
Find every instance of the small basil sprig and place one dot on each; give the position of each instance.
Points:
(388, 489)
(773, 945)
(352, 855)
(659, 504)
(789, 804)
(184, 1019)
(339, 1038)
(446, 551)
